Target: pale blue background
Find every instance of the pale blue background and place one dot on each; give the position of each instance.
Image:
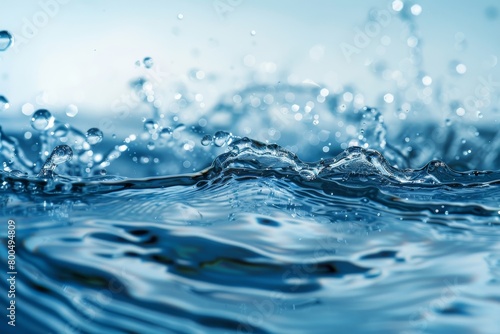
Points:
(85, 54)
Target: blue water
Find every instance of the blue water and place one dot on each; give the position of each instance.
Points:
(282, 208)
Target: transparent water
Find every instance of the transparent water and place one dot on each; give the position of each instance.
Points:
(283, 209)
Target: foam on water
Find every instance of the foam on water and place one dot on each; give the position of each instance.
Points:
(282, 202)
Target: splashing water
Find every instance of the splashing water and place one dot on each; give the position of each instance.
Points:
(59, 155)
(282, 208)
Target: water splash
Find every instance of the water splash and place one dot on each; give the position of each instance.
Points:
(59, 155)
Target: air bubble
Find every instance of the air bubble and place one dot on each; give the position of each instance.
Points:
(4, 103)
(42, 120)
(253, 33)
(6, 40)
(94, 136)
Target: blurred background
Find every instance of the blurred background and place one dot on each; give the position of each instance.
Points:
(422, 61)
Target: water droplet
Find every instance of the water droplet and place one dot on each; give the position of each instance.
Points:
(6, 40)
(416, 9)
(42, 120)
(166, 132)
(196, 74)
(151, 146)
(148, 62)
(427, 80)
(206, 140)
(180, 16)
(4, 103)
(388, 98)
(253, 33)
(221, 138)
(397, 5)
(461, 68)
(94, 136)
(151, 126)
(71, 110)
(28, 109)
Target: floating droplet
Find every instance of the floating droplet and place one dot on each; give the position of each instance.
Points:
(6, 40)
(180, 16)
(206, 140)
(150, 126)
(416, 9)
(221, 138)
(4, 103)
(94, 136)
(461, 68)
(148, 62)
(71, 110)
(151, 146)
(253, 33)
(42, 120)
(28, 109)
(166, 132)
(59, 155)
